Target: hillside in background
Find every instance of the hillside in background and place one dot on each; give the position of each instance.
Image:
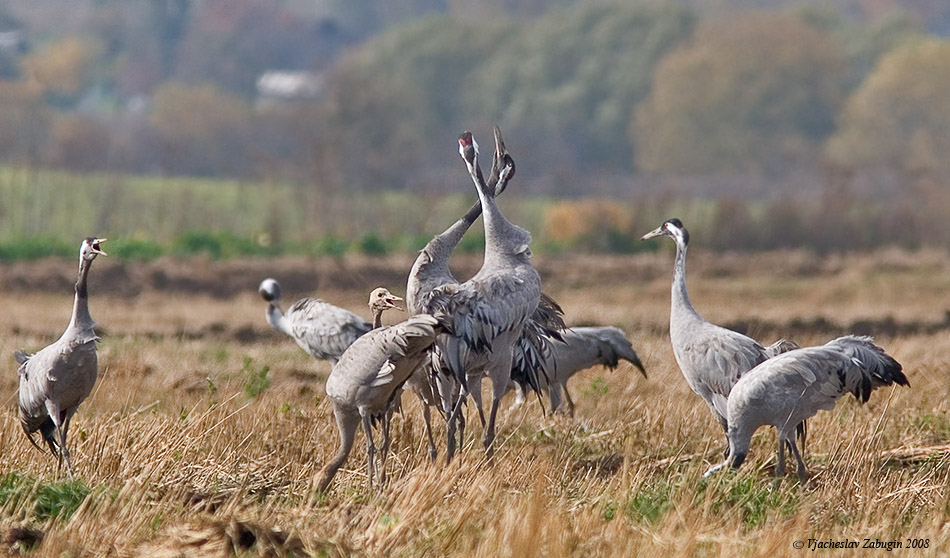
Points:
(765, 111)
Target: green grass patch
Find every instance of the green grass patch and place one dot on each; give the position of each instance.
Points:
(649, 503)
(753, 498)
(255, 379)
(42, 500)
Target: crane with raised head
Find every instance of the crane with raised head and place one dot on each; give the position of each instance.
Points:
(321, 329)
(489, 311)
(58, 377)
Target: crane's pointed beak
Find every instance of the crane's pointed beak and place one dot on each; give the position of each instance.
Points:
(391, 303)
(97, 248)
(659, 231)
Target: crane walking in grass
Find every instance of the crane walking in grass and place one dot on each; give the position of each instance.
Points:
(367, 380)
(582, 348)
(794, 386)
(60, 376)
(321, 329)
(712, 358)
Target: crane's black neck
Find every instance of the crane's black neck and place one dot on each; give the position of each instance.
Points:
(82, 290)
(472, 214)
(81, 317)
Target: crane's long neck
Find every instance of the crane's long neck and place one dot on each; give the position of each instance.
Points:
(444, 243)
(277, 320)
(431, 268)
(499, 232)
(377, 318)
(680, 298)
(81, 317)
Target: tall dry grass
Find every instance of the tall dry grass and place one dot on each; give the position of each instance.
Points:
(181, 459)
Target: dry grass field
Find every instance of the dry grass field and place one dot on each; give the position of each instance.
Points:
(206, 430)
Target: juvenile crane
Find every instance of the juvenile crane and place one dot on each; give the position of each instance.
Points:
(794, 386)
(368, 378)
(60, 376)
(321, 329)
(712, 358)
(582, 348)
(489, 311)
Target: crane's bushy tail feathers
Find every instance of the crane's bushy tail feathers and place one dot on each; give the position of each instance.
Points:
(533, 353)
(878, 368)
(48, 431)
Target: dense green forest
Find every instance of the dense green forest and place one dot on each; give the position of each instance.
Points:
(790, 112)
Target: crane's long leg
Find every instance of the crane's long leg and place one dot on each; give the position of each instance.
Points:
(570, 402)
(780, 466)
(802, 473)
(427, 417)
(63, 431)
(451, 420)
(57, 416)
(501, 375)
(476, 392)
(346, 423)
(370, 450)
(554, 394)
(385, 449)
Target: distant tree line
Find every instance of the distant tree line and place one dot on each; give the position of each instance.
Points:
(597, 89)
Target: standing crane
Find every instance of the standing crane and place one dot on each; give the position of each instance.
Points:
(712, 358)
(321, 329)
(431, 274)
(786, 390)
(367, 380)
(60, 376)
(489, 311)
(430, 271)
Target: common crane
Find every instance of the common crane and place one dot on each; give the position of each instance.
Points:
(60, 376)
(430, 271)
(582, 348)
(431, 274)
(792, 387)
(321, 329)
(364, 384)
(488, 312)
(712, 358)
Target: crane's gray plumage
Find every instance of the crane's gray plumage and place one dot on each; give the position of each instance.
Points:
(794, 386)
(431, 276)
(488, 312)
(712, 358)
(366, 381)
(430, 271)
(55, 380)
(582, 348)
(321, 329)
